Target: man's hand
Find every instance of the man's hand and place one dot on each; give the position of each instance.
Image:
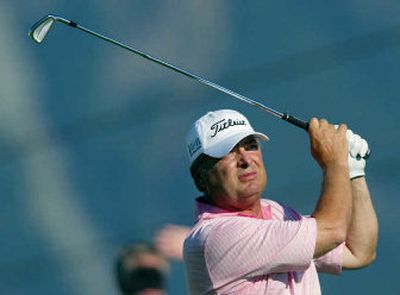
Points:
(358, 148)
(329, 146)
(169, 240)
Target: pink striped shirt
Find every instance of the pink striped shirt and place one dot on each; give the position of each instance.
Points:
(232, 253)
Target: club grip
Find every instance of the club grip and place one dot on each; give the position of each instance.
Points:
(304, 125)
(295, 121)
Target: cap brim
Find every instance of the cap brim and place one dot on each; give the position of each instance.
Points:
(220, 150)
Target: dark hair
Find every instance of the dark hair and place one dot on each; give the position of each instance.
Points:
(200, 167)
(132, 278)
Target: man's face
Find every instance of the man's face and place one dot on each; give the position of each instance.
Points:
(237, 180)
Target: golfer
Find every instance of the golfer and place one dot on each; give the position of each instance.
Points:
(244, 244)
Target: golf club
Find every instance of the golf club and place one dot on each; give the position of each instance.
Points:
(40, 29)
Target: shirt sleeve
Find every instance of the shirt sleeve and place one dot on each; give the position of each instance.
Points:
(332, 261)
(241, 247)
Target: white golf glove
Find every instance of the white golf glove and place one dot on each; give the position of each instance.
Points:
(358, 148)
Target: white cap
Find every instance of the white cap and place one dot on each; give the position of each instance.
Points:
(216, 134)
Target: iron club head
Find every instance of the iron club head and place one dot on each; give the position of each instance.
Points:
(40, 29)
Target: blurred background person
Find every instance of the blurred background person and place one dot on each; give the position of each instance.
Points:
(169, 241)
(141, 270)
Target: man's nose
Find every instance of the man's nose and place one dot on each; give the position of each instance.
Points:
(243, 157)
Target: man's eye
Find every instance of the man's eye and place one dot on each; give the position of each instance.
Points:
(251, 146)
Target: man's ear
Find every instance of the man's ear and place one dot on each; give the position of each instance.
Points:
(202, 182)
(201, 179)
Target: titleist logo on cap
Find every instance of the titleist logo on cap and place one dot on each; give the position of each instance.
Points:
(224, 124)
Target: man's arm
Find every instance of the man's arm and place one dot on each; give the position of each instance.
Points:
(329, 147)
(362, 235)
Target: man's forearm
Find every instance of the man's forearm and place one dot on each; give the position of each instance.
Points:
(362, 235)
(333, 210)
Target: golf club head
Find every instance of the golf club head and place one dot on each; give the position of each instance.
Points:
(40, 29)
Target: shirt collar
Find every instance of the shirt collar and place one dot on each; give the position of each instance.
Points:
(205, 210)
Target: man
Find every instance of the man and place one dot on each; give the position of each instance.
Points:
(141, 270)
(243, 244)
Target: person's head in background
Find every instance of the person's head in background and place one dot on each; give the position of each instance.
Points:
(141, 270)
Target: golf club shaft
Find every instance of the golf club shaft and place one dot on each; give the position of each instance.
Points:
(289, 118)
(40, 29)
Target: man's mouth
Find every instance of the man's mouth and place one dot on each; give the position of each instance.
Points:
(247, 176)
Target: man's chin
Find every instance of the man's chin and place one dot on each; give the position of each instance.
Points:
(255, 193)
(251, 188)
